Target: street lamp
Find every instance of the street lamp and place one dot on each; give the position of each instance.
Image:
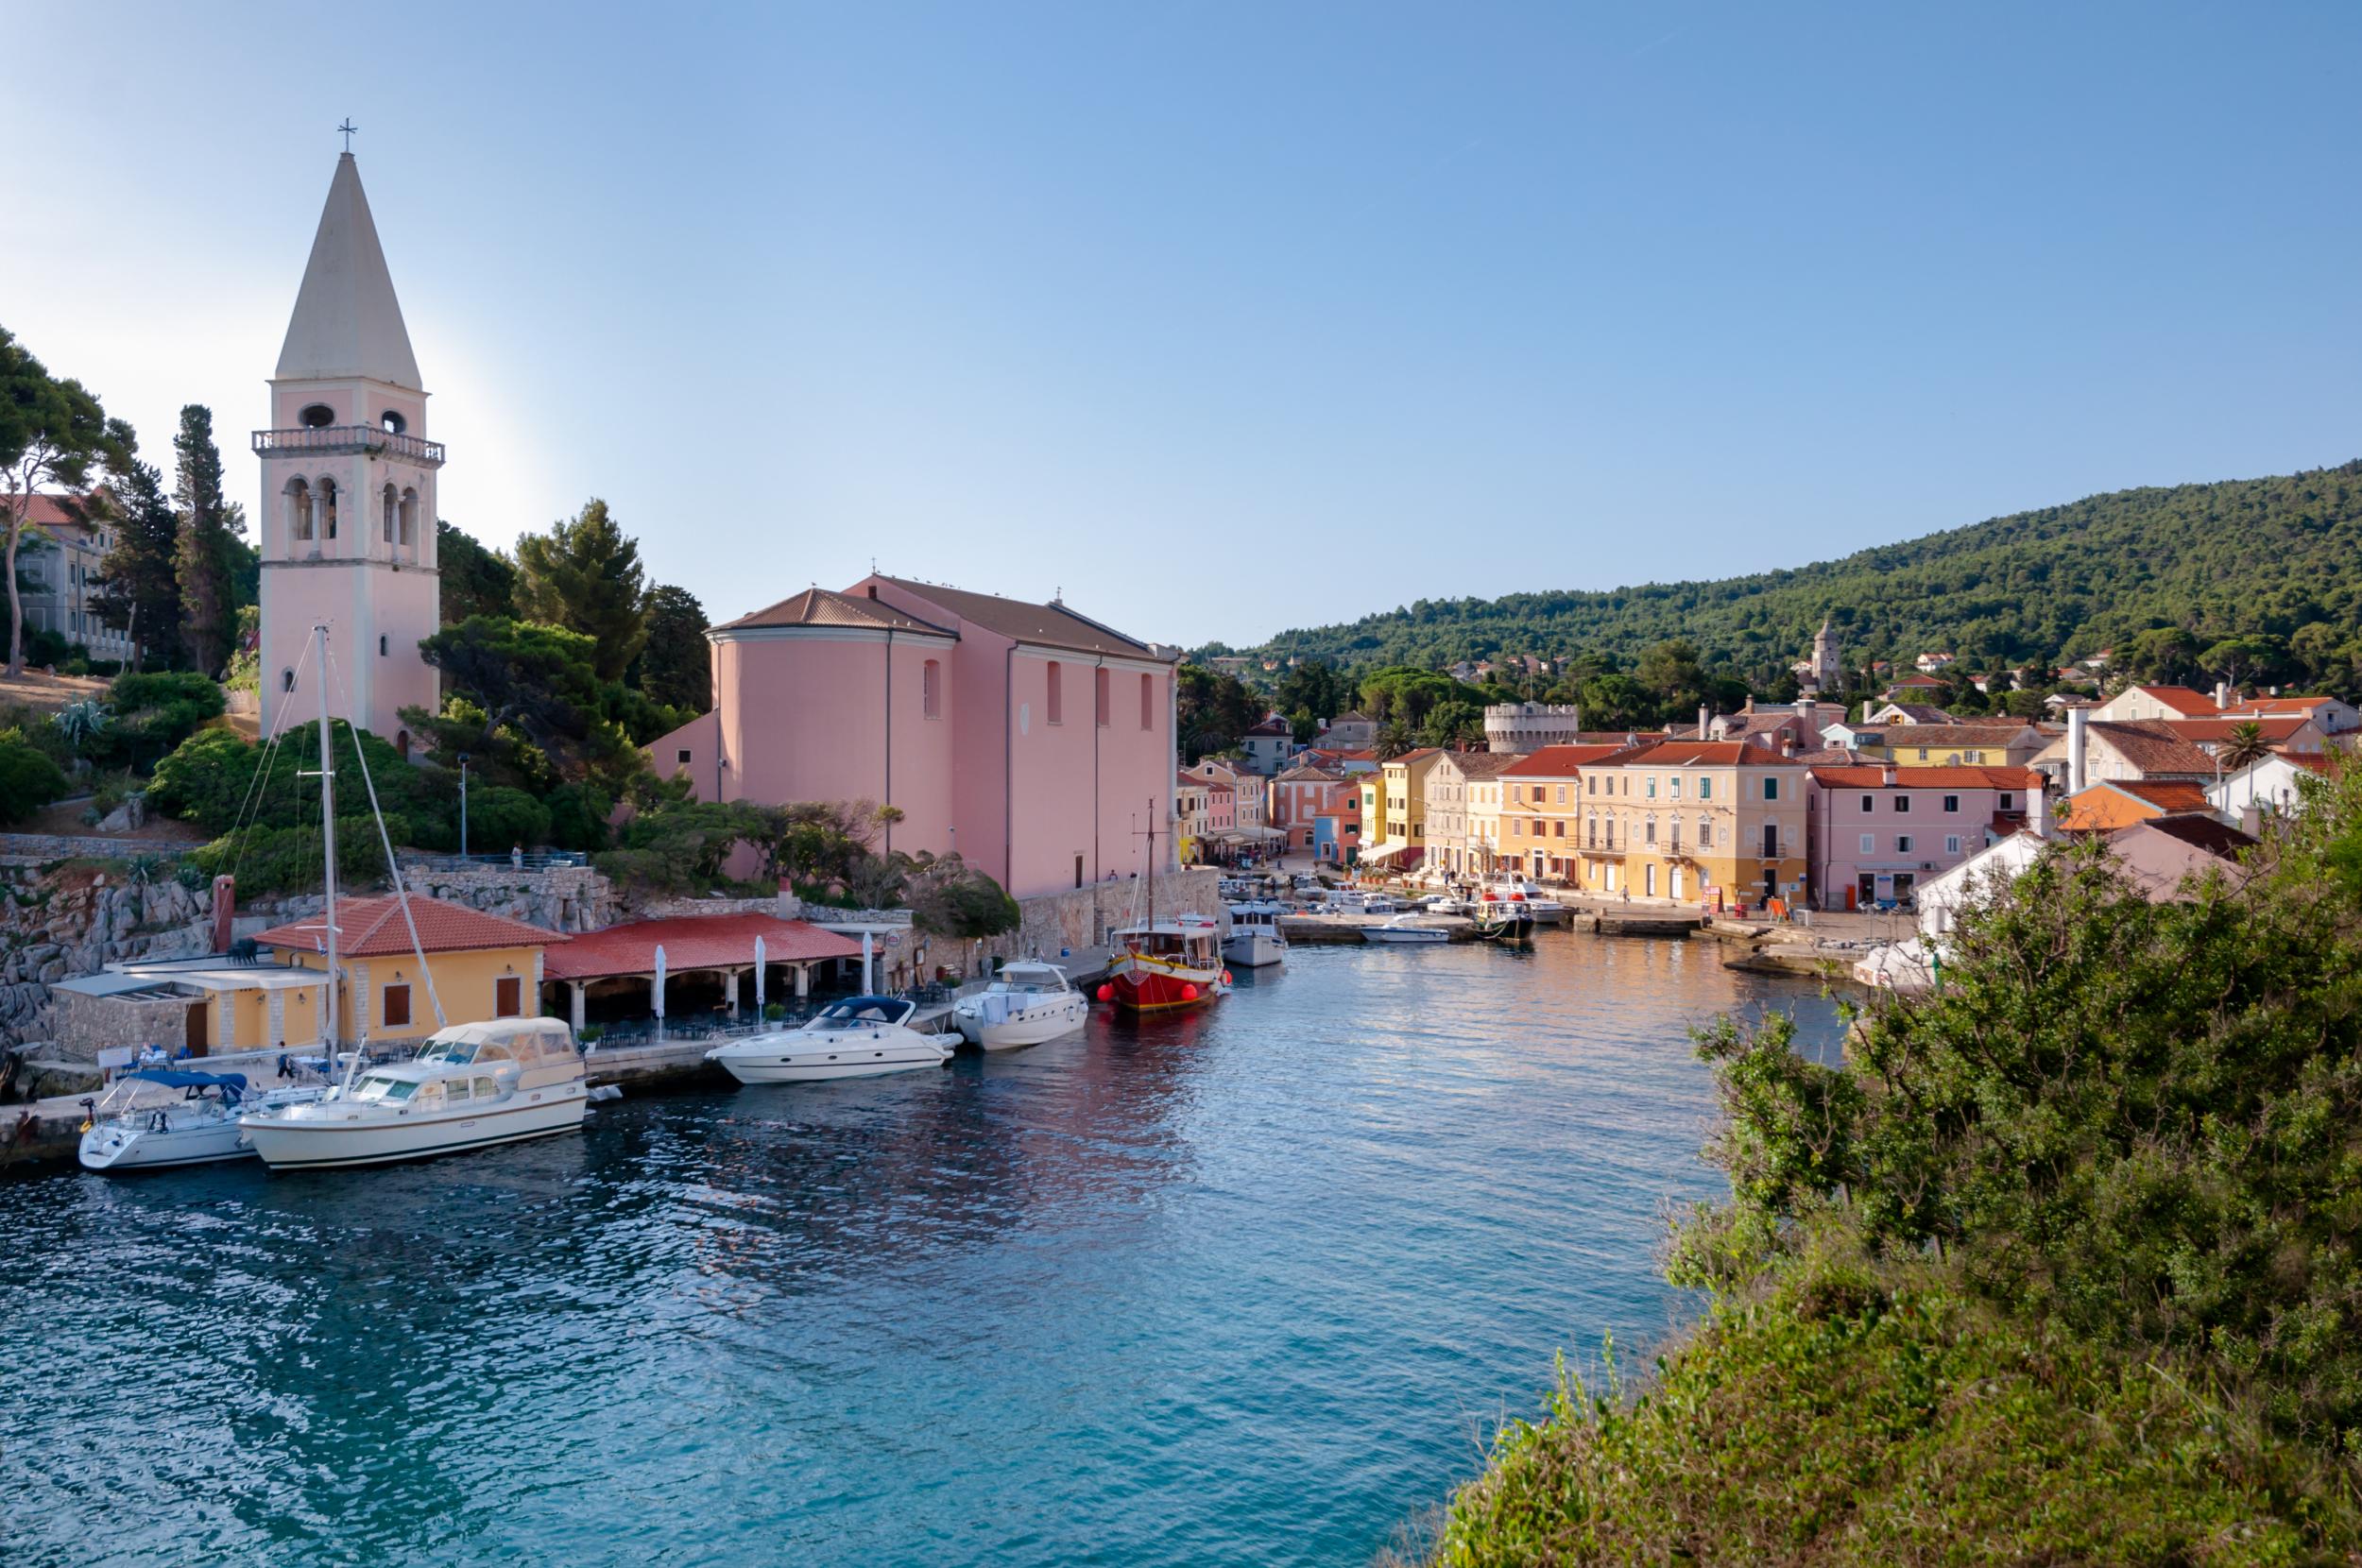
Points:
(463, 805)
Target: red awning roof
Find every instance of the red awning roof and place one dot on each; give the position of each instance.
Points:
(693, 942)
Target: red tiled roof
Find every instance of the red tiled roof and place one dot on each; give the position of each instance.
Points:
(693, 942)
(1873, 777)
(2278, 704)
(2167, 794)
(373, 928)
(1562, 761)
(2327, 763)
(2180, 697)
(2274, 727)
(2148, 750)
(47, 511)
(1958, 734)
(1048, 625)
(1704, 754)
(1485, 764)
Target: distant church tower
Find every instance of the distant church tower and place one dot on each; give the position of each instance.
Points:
(1828, 676)
(348, 518)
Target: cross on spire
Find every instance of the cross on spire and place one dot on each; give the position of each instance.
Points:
(346, 130)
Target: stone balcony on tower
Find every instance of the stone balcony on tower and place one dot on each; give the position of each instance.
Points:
(372, 439)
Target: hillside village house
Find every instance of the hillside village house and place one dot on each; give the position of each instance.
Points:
(2157, 701)
(1033, 740)
(1449, 786)
(1349, 731)
(1877, 832)
(2327, 714)
(2012, 743)
(1299, 793)
(1909, 713)
(2273, 784)
(2281, 731)
(1267, 745)
(1337, 832)
(57, 565)
(2092, 751)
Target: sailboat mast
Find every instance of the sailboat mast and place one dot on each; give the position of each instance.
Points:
(328, 836)
(1148, 871)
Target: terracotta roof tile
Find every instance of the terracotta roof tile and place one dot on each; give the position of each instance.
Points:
(2150, 751)
(1705, 754)
(373, 928)
(1562, 761)
(2181, 697)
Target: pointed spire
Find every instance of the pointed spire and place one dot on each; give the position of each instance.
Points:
(347, 321)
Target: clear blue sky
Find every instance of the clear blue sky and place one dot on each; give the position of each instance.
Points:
(1232, 318)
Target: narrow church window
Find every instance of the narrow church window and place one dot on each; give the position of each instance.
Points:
(1103, 712)
(409, 518)
(388, 503)
(1057, 697)
(1148, 701)
(328, 508)
(381, 647)
(286, 680)
(931, 688)
(299, 508)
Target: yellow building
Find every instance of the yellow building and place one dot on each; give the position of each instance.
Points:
(483, 966)
(1540, 834)
(1463, 795)
(2011, 744)
(1372, 810)
(1694, 821)
(1401, 786)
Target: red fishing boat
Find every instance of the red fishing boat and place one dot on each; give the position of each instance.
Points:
(1163, 966)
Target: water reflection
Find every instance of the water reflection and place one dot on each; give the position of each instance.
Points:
(1232, 1285)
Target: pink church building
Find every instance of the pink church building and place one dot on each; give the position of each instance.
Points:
(1034, 742)
(347, 522)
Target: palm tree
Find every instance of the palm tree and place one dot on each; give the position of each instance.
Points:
(2244, 749)
(1393, 739)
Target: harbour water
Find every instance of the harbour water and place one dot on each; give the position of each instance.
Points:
(1252, 1285)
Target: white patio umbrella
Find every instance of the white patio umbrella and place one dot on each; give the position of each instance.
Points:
(659, 988)
(757, 974)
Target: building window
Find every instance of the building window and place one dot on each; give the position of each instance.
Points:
(1078, 860)
(1902, 843)
(1705, 789)
(931, 688)
(299, 509)
(508, 996)
(1562, 794)
(1951, 843)
(1675, 787)
(1770, 788)
(1705, 832)
(1558, 829)
(391, 504)
(1103, 704)
(317, 417)
(1869, 804)
(328, 508)
(1057, 703)
(683, 757)
(380, 646)
(395, 1012)
(1650, 790)
(1923, 753)
(1972, 758)
(1868, 843)
(1148, 701)
(407, 522)
(1902, 803)
(1651, 840)
(392, 420)
(1951, 805)
(286, 680)
(2008, 802)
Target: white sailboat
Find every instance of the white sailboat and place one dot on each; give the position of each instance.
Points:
(161, 1117)
(471, 1086)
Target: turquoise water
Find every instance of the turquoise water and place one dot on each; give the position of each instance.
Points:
(1247, 1286)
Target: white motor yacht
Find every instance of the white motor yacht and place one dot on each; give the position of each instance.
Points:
(160, 1117)
(471, 1086)
(1253, 939)
(1027, 1004)
(1542, 909)
(855, 1037)
(1404, 929)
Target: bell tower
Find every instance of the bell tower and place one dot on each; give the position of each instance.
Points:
(347, 524)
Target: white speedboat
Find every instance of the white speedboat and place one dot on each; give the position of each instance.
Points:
(1026, 1004)
(1540, 908)
(856, 1037)
(1404, 929)
(1253, 939)
(471, 1086)
(159, 1117)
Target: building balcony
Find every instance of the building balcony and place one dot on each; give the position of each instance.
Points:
(326, 439)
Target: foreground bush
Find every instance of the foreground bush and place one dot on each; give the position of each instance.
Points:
(2064, 1264)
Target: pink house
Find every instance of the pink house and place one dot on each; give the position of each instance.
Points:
(1873, 834)
(1036, 742)
(1298, 795)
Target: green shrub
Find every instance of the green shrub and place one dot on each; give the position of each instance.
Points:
(501, 817)
(155, 712)
(288, 860)
(28, 781)
(578, 814)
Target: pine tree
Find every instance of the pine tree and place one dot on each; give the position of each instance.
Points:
(138, 588)
(676, 666)
(585, 575)
(201, 560)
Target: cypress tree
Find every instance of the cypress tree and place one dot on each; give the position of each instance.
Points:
(200, 562)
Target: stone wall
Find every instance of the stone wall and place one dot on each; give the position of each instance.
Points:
(556, 898)
(62, 921)
(1082, 918)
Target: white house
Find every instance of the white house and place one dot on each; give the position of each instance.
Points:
(1975, 880)
(2268, 784)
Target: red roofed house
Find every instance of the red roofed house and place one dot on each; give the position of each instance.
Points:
(1697, 822)
(479, 966)
(2327, 714)
(2112, 803)
(2157, 701)
(1876, 833)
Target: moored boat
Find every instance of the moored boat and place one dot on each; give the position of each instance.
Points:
(157, 1118)
(1404, 929)
(471, 1086)
(1167, 966)
(853, 1038)
(1026, 1004)
(1254, 940)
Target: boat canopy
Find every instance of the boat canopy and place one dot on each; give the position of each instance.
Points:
(232, 1084)
(878, 1010)
(521, 1040)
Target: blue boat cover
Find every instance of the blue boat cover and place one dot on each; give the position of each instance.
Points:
(232, 1084)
